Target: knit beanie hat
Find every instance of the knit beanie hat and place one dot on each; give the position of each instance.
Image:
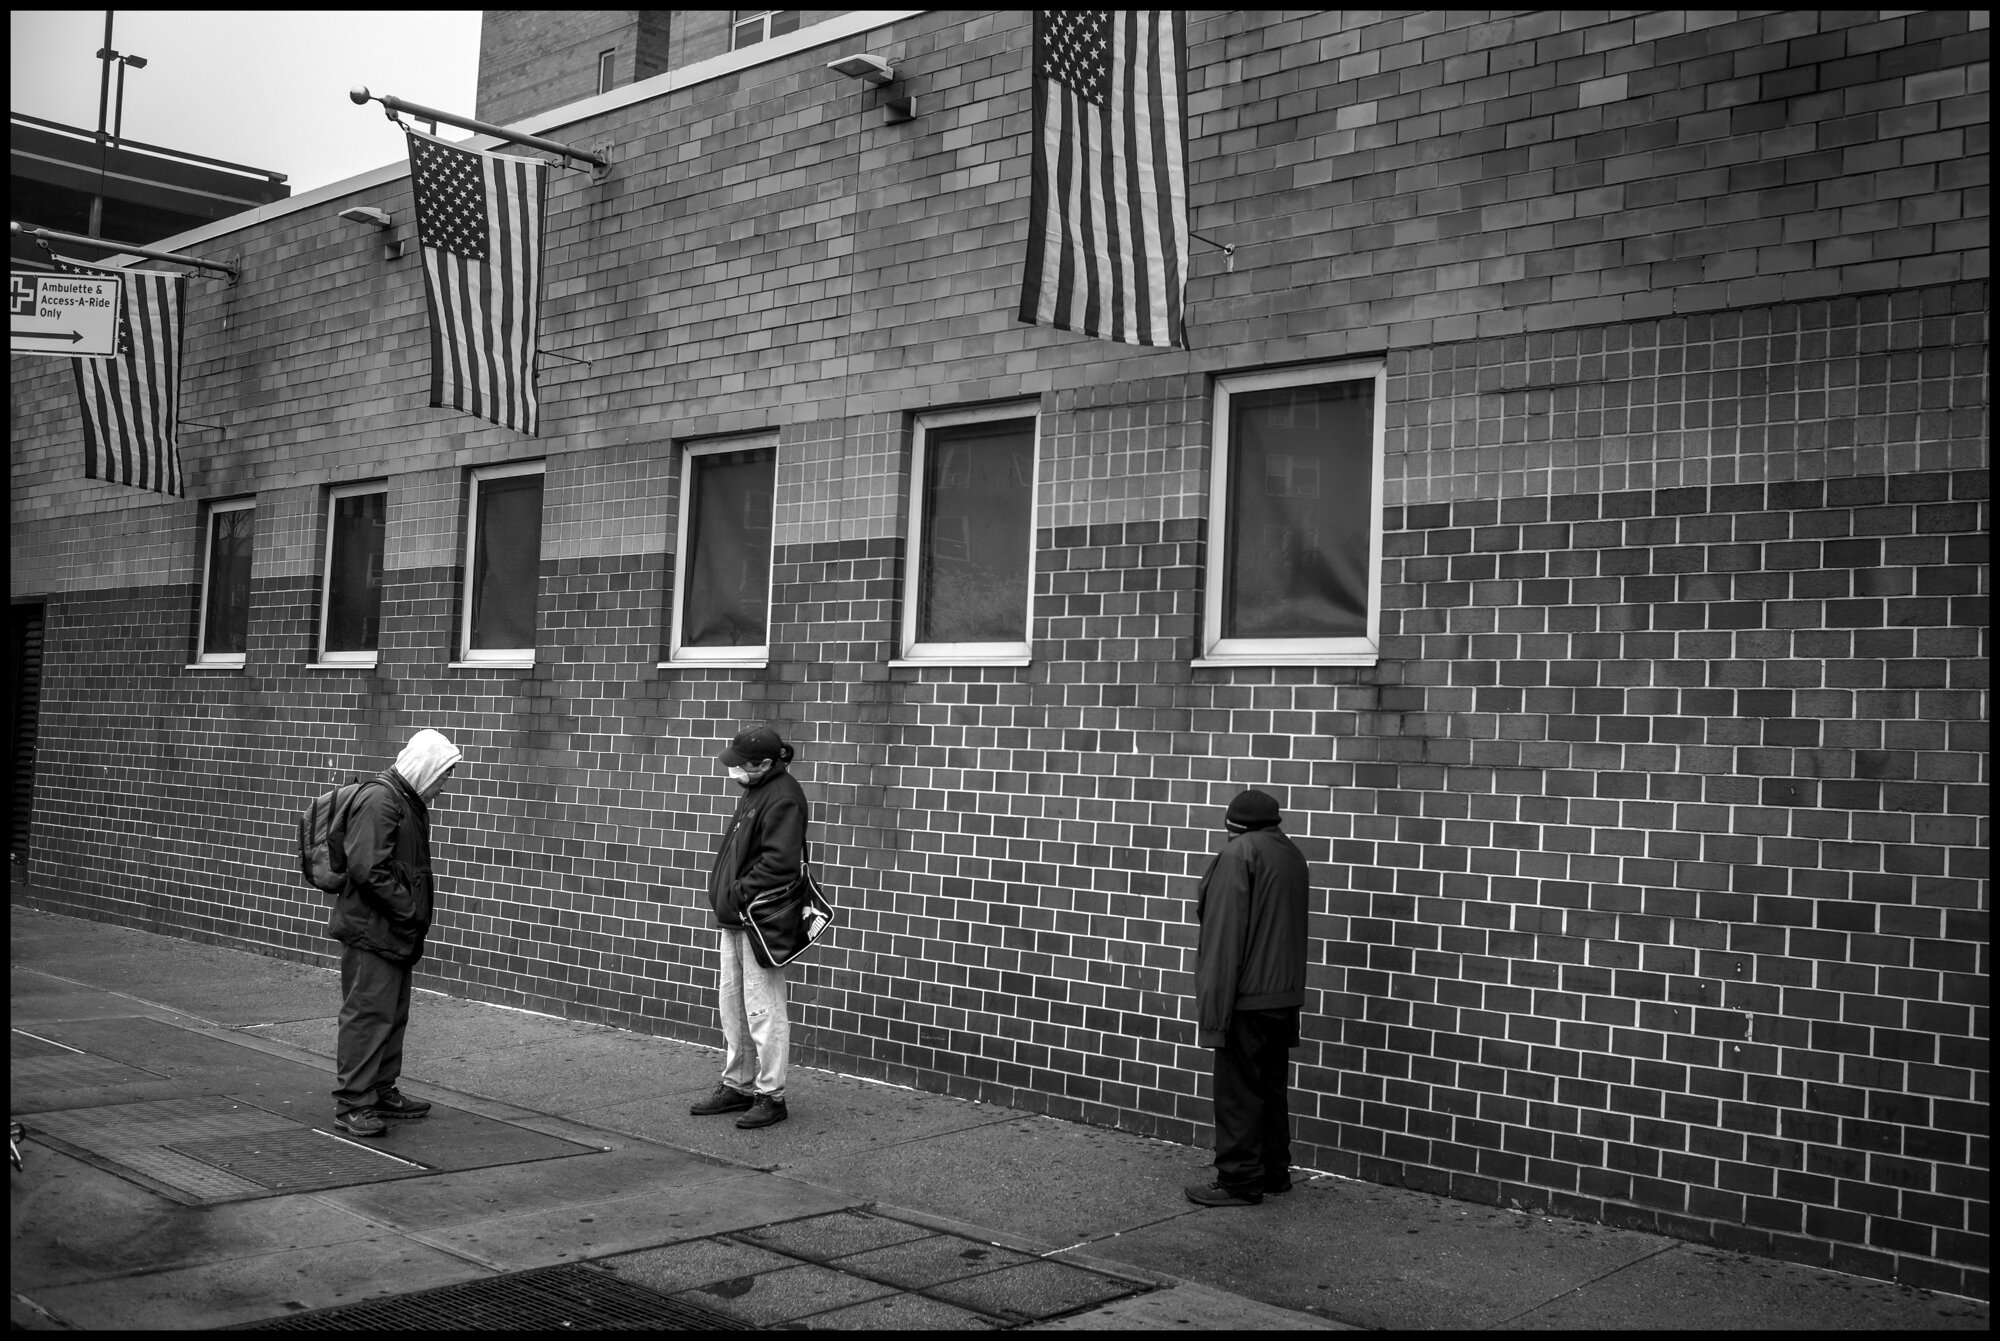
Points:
(1253, 810)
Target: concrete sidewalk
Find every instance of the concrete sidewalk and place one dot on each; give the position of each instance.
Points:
(159, 1079)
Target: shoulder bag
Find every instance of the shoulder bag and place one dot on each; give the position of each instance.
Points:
(784, 923)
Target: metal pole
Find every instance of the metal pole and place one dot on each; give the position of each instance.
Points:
(104, 85)
(125, 248)
(118, 121)
(360, 96)
(103, 101)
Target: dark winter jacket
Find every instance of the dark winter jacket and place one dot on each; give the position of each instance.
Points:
(387, 904)
(1252, 910)
(762, 849)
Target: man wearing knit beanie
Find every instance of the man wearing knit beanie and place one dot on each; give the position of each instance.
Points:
(1250, 983)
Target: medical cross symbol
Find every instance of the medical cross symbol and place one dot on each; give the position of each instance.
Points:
(451, 196)
(21, 296)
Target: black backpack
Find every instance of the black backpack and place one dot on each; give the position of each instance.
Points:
(323, 836)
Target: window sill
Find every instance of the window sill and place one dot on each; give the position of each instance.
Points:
(919, 663)
(367, 665)
(491, 665)
(214, 666)
(1281, 659)
(763, 664)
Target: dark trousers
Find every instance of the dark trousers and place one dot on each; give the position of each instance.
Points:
(1253, 1129)
(374, 1011)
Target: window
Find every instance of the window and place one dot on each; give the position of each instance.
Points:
(350, 609)
(606, 62)
(503, 550)
(723, 594)
(750, 26)
(968, 578)
(1295, 518)
(225, 586)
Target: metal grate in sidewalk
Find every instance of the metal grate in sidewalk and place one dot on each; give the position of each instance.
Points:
(571, 1297)
(297, 1160)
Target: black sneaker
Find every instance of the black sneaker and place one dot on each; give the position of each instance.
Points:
(763, 1112)
(1277, 1185)
(395, 1104)
(724, 1100)
(1215, 1194)
(359, 1122)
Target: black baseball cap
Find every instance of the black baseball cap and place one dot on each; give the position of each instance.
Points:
(751, 744)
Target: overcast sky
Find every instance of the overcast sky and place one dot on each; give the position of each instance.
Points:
(265, 89)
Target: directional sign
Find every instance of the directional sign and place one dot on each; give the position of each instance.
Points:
(69, 316)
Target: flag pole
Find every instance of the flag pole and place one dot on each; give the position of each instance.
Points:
(600, 160)
(48, 235)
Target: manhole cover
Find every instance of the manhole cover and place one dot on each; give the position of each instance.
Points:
(297, 1159)
(571, 1297)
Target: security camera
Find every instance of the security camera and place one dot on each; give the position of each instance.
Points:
(873, 69)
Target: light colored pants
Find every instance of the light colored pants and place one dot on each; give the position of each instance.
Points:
(755, 1030)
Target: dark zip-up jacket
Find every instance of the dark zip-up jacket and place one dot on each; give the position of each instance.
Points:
(1252, 910)
(387, 903)
(763, 847)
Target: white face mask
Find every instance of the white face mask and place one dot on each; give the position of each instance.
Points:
(740, 776)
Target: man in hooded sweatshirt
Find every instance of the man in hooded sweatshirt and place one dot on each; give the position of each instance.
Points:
(1250, 983)
(381, 918)
(762, 849)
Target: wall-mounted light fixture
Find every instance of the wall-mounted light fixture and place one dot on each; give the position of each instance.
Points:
(877, 73)
(382, 219)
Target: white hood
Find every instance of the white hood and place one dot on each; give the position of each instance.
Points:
(424, 760)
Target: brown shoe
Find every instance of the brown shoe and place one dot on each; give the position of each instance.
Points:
(724, 1100)
(763, 1112)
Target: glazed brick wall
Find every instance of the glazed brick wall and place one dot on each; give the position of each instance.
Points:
(1649, 860)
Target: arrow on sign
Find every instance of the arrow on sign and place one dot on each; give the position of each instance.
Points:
(72, 336)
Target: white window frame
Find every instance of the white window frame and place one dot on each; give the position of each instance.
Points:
(762, 18)
(607, 70)
(204, 657)
(748, 656)
(1348, 651)
(493, 656)
(333, 497)
(916, 653)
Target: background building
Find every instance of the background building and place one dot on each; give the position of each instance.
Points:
(1639, 746)
(62, 177)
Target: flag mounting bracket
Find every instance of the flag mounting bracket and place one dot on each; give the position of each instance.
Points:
(47, 235)
(1228, 250)
(598, 158)
(550, 353)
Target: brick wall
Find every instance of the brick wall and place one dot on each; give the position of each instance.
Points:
(1648, 861)
(533, 60)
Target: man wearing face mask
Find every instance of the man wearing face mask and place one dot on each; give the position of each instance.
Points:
(762, 849)
(381, 917)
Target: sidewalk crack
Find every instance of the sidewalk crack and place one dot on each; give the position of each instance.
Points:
(1578, 1289)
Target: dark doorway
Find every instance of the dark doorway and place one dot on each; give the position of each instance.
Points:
(24, 700)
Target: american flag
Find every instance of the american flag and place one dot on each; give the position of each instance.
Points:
(131, 400)
(1108, 223)
(479, 224)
